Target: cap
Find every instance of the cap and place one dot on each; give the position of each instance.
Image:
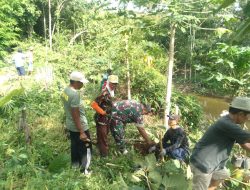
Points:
(113, 79)
(241, 103)
(173, 117)
(77, 76)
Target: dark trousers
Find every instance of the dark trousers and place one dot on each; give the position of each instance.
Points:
(80, 151)
(102, 139)
(20, 71)
(178, 153)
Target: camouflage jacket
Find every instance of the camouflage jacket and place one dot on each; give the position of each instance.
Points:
(128, 111)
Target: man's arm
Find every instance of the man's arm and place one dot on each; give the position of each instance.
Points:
(97, 108)
(246, 146)
(165, 139)
(76, 117)
(144, 135)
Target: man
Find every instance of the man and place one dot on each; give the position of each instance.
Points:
(211, 153)
(105, 78)
(103, 105)
(76, 122)
(175, 142)
(128, 111)
(19, 59)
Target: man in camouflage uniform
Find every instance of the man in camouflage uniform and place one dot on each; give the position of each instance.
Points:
(103, 105)
(128, 111)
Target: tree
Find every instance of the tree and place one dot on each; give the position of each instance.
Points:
(175, 15)
(17, 20)
(244, 27)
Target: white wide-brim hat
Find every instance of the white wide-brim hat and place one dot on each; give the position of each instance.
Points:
(78, 76)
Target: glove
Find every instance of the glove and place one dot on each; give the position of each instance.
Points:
(151, 149)
(163, 152)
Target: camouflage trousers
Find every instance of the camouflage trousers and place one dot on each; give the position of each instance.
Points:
(118, 133)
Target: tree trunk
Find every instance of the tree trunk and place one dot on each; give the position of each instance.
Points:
(192, 43)
(170, 74)
(185, 71)
(50, 29)
(45, 37)
(56, 20)
(128, 68)
(191, 54)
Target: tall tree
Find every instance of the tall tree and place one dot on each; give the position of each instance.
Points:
(175, 15)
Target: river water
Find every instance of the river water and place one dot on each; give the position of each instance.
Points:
(213, 107)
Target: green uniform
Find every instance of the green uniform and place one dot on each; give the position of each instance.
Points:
(71, 99)
(123, 112)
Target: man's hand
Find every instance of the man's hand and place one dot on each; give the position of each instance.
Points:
(152, 149)
(84, 137)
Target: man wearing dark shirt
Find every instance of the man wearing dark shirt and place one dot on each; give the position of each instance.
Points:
(175, 142)
(211, 153)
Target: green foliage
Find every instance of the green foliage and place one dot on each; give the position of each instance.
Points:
(148, 86)
(7, 98)
(166, 175)
(59, 163)
(227, 70)
(190, 109)
(17, 19)
(91, 39)
(244, 27)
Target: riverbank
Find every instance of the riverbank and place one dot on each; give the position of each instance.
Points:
(197, 89)
(213, 105)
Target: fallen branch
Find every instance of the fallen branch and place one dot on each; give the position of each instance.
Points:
(231, 178)
(134, 140)
(110, 164)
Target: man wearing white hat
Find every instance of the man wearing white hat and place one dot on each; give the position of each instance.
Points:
(76, 122)
(211, 153)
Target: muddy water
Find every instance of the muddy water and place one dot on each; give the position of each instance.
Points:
(213, 107)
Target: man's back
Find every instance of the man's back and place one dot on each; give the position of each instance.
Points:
(19, 59)
(213, 149)
(128, 111)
